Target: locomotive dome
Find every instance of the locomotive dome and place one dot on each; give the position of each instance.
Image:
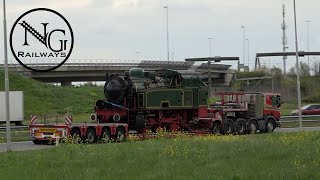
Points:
(136, 72)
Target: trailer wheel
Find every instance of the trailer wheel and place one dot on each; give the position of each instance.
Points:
(106, 135)
(240, 126)
(253, 127)
(228, 127)
(91, 136)
(40, 141)
(270, 126)
(120, 135)
(36, 142)
(216, 129)
(75, 133)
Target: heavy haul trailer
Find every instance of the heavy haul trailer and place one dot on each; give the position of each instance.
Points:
(144, 101)
(248, 112)
(90, 132)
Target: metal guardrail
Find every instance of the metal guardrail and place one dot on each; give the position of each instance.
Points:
(295, 118)
(13, 127)
(78, 62)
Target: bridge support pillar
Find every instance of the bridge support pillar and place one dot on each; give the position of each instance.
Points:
(65, 83)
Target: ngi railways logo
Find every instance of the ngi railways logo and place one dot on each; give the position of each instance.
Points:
(41, 36)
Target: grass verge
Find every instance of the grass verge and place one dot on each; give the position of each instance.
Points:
(261, 156)
(16, 136)
(41, 98)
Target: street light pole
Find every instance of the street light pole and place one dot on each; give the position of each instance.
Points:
(308, 40)
(6, 77)
(167, 8)
(248, 51)
(210, 45)
(297, 65)
(244, 43)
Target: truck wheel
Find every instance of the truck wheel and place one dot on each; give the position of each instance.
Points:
(106, 135)
(270, 126)
(253, 127)
(216, 129)
(120, 135)
(40, 142)
(36, 142)
(91, 136)
(228, 127)
(240, 126)
(75, 136)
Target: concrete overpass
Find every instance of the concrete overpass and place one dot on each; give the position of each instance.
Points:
(95, 70)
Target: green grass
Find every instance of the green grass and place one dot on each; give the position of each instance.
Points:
(41, 98)
(16, 136)
(262, 156)
(286, 108)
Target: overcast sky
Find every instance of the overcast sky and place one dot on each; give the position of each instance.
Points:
(105, 29)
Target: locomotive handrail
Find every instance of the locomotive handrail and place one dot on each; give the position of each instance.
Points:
(122, 107)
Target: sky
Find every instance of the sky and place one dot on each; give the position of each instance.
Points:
(136, 29)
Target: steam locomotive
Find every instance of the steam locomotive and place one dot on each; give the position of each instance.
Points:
(177, 100)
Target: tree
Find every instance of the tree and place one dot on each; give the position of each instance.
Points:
(292, 72)
(276, 72)
(304, 69)
(316, 68)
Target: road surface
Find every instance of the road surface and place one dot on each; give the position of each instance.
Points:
(297, 129)
(22, 146)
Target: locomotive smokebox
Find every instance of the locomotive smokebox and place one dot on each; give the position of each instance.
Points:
(115, 89)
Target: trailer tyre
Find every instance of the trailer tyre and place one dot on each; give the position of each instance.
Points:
(216, 129)
(106, 135)
(75, 136)
(240, 127)
(36, 142)
(120, 135)
(270, 126)
(91, 136)
(40, 141)
(228, 127)
(253, 127)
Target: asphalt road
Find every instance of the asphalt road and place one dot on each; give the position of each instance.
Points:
(28, 145)
(22, 146)
(297, 129)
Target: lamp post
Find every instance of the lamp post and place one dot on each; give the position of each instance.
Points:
(308, 21)
(6, 77)
(248, 51)
(244, 42)
(210, 45)
(297, 64)
(167, 8)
